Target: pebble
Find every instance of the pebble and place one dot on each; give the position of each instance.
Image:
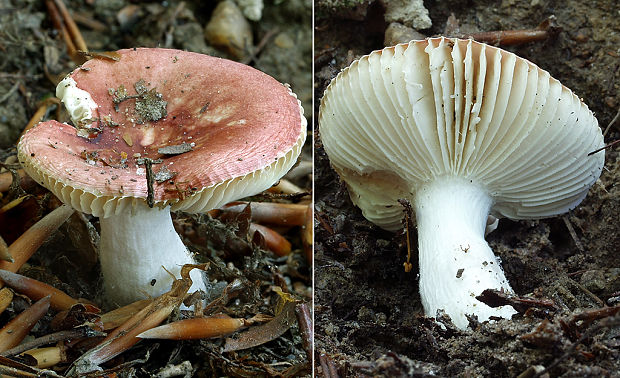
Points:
(409, 12)
(252, 9)
(284, 41)
(228, 30)
(398, 33)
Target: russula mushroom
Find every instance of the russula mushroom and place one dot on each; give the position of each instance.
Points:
(462, 130)
(161, 130)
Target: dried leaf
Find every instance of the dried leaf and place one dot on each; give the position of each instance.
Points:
(264, 333)
(176, 149)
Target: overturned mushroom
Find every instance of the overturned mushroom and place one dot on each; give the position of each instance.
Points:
(161, 130)
(462, 130)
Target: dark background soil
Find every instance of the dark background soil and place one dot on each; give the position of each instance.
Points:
(34, 57)
(369, 319)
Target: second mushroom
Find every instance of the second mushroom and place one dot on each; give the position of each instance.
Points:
(462, 130)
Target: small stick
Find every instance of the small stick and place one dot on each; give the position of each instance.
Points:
(6, 297)
(543, 31)
(150, 178)
(74, 31)
(408, 224)
(285, 214)
(13, 204)
(304, 318)
(5, 254)
(605, 147)
(27, 244)
(52, 338)
(324, 223)
(119, 316)
(36, 290)
(17, 329)
(89, 22)
(6, 179)
(195, 328)
(612, 122)
(10, 92)
(18, 369)
(307, 234)
(329, 368)
(48, 357)
(59, 25)
(573, 234)
(260, 46)
(40, 113)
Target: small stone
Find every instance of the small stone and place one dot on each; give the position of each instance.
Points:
(252, 9)
(398, 33)
(411, 13)
(128, 16)
(283, 40)
(228, 30)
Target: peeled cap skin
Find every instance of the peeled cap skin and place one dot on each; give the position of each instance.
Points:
(236, 131)
(402, 118)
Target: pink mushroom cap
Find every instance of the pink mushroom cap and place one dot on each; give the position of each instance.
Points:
(238, 130)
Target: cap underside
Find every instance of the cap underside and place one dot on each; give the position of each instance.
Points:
(447, 107)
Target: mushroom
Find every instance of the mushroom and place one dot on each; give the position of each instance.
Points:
(161, 130)
(462, 130)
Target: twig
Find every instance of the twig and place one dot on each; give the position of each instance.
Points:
(612, 122)
(10, 92)
(10, 75)
(83, 331)
(329, 368)
(74, 31)
(546, 29)
(573, 234)
(496, 298)
(605, 147)
(150, 200)
(407, 220)
(304, 318)
(253, 54)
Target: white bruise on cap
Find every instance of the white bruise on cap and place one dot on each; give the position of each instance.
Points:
(461, 129)
(78, 102)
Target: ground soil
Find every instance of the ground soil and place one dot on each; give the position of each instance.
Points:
(369, 319)
(34, 57)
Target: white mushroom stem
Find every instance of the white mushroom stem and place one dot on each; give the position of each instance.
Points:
(456, 263)
(134, 250)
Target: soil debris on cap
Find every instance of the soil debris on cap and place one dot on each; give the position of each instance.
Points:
(164, 174)
(150, 105)
(176, 149)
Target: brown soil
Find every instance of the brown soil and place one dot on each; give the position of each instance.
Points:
(369, 319)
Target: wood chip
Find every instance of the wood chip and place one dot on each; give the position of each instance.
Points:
(127, 139)
(176, 149)
(164, 174)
